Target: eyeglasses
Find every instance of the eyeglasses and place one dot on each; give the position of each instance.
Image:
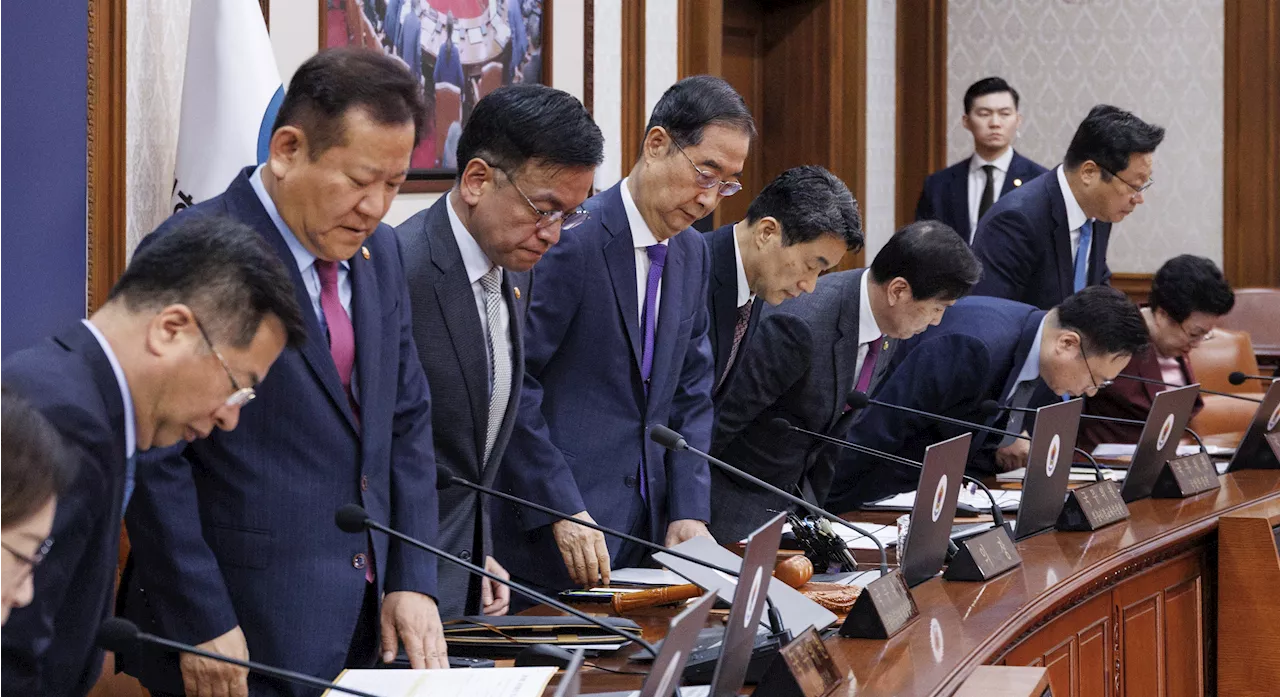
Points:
(546, 219)
(34, 560)
(240, 396)
(1092, 379)
(1197, 334)
(1136, 189)
(708, 180)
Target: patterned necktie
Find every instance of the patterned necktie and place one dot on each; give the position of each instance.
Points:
(1020, 398)
(499, 362)
(1082, 257)
(988, 192)
(342, 339)
(739, 331)
(869, 364)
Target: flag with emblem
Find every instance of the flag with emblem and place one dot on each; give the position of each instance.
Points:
(231, 92)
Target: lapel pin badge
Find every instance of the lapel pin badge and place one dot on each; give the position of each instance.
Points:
(1017, 182)
(885, 346)
(517, 293)
(364, 251)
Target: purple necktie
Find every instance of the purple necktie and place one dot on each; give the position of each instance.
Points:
(657, 259)
(869, 365)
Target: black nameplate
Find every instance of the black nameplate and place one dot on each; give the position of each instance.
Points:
(883, 608)
(1092, 507)
(805, 669)
(1186, 476)
(983, 557)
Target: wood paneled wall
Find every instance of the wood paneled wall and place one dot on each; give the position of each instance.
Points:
(921, 141)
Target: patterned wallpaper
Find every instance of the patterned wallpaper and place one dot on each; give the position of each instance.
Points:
(1161, 59)
(156, 33)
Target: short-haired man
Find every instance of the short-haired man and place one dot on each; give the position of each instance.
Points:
(962, 193)
(186, 336)
(529, 154)
(986, 349)
(616, 342)
(810, 352)
(797, 227)
(234, 544)
(1189, 296)
(1049, 238)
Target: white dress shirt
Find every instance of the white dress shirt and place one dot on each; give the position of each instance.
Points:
(641, 238)
(978, 181)
(868, 330)
(478, 264)
(1075, 215)
(130, 427)
(744, 287)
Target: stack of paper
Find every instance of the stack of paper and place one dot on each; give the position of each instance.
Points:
(1124, 451)
(1078, 474)
(473, 682)
(969, 502)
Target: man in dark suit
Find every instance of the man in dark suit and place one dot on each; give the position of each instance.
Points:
(1049, 238)
(187, 334)
(234, 544)
(1189, 296)
(616, 342)
(810, 352)
(962, 193)
(797, 227)
(466, 260)
(986, 348)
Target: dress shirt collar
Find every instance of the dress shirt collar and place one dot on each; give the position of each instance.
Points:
(744, 287)
(868, 330)
(1031, 366)
(130, 428)
(641, 236)
(1075, 214)
(473, 257)
(301, 255)
(1002, 162)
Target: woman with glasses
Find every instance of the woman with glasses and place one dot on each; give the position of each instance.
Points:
(1189, 295)
(35, 468)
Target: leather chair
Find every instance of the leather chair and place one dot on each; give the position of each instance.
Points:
(1215, 359)
(490, 79)
(1257, 311)
(448, 110)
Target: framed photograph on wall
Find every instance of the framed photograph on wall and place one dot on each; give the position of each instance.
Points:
(460, 50)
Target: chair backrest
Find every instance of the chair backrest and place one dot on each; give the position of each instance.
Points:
(448, 110)
(490, 78)
(1257, 311)
(1224, 352)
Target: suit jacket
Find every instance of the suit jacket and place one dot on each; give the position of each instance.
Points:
(458, 370)
(722, 305)
(973, 355)
(581, 437)
(49, 645)
(1024, 245)
(801, 367)
(238, 528)
(946, 192)
(1128, 399)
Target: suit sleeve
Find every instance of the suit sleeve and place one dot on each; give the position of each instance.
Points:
(924, 208)
(927, 378)
(414, 505)
(1003, 243)
(533, 466)
(776, 357)
(692, 412)
(82, 510)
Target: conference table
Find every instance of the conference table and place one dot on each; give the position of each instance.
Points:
(1127, 610)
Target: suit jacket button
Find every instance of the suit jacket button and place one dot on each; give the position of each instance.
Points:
(364, 482)
(464, 555)
(630, 481)
(360, 560)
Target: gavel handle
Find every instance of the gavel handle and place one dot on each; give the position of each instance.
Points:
(626, 602)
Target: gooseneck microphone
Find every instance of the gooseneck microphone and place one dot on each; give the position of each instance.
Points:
(119, 635)
(1149, 381)
(782, 425)
(671, 440)
(352, 518)
(1239, 378)
(991, 406)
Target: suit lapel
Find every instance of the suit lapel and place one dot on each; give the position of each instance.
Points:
(244, 205)
(366, 320)
(724, 296)
(1061, 237)
(670, 312)
(845, 351)
(958, 198)
(1097, 252)
(511, 282)
(1014, 174)
(620, 258)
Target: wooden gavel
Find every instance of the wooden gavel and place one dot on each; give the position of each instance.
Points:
(795, 571)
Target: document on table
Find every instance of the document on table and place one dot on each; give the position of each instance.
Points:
(1117, 451)
(473, 682)
(1078, 474)
(1007, 499)
(645, 577)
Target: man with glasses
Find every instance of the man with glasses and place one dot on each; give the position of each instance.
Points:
(987, 349)
(617, 342)
(188, 332)
(527, 158)
(234, 547)
(1048, 239)
(1189, 296)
